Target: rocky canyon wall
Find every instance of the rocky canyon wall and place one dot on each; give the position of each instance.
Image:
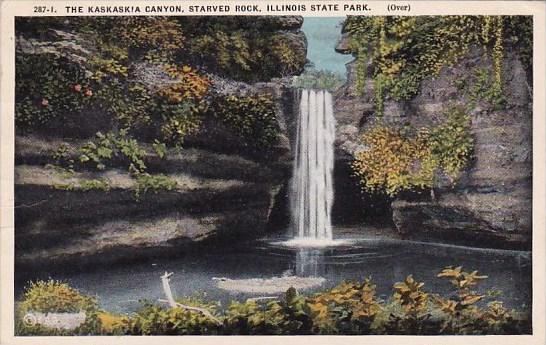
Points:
(491, 204)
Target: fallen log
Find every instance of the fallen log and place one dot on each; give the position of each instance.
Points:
(165, 279)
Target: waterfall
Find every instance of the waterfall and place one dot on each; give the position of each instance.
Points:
(312, 192)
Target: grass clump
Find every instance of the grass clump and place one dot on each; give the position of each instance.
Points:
(146, 182)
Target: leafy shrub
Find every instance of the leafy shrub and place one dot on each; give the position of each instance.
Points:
(414, 315)
(234, 47)
(48, 87)
(153, 319)
(169, 111)
(166, 103)
(157, 37)
(127, 103)
(111, 145)
(187, 84)
(252, 118)
(285, 58)
(463, 311)
(141, 36)
(179, 120)
(349, 308)
(180, 103)
(155, 183)
(394, 161)
(290, 316)
(53, 296)
(175, 321)
(406, 159)
(110, 324)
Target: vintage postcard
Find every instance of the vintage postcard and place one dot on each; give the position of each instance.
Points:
(310, 169)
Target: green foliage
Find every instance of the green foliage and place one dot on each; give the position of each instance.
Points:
(484, 89)
(111, 145)
(64, 163)
(155, 37)
(414, 313)
(126, 102)
(519, 32)
(179, 120)
(160, 148)
(349, 308)
(142, 75)
(169, 103)
(451, 143)
(48, 87)
(235, 48)
(165, 101)
(315, 79)
(114, 146)
(252, 118)
(406, 50)
(155, 183)
(463, 315)
(85, 185)
(409, 159)
(154, 320)
(104, 150)
(159, 38)
(53, 296)
(180, 106)
(169, 112)
(289, 316)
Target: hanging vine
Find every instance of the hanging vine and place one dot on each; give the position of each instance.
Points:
(361, 69)
(406, 50)
(497, 55)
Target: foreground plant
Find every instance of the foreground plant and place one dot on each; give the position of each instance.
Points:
(349, 308)
(53, 296)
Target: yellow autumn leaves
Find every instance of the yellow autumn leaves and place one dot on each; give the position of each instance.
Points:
(357, 301)
(188, 85)
(54, 296)
(407, 159)
(394, 162)
(348, 308)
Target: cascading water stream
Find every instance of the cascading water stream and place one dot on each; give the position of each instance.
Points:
(312, 192)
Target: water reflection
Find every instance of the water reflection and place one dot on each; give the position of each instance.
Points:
(309, 262)
(385, 263)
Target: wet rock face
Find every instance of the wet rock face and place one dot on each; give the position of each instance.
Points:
(491, 204)
(218, 198)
